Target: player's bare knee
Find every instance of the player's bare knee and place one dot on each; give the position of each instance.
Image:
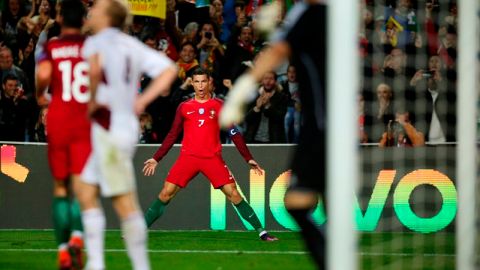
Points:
(235, 197)
(87, 200)
(125, 205)
(60, 188)
(87, 195)
(165, 196)
(300, 200)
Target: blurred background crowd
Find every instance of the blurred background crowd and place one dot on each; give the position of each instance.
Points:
(408, 52)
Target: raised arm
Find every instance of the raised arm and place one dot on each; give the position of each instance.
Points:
(416, 137)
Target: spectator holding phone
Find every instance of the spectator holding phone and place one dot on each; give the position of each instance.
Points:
(210, 49)
(13, 110)
(434, 70)
(437, 117)
(7, 67)
(401, 133)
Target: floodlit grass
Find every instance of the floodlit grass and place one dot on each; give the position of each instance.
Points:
(36, 249)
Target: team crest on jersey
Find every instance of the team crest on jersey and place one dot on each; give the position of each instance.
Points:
(201, 111)
(212, 113)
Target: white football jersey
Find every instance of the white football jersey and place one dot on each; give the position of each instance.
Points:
(124, 60)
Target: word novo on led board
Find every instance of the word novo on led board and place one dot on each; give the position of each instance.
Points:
(366, 220)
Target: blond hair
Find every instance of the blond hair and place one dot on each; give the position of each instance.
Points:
(119, 13)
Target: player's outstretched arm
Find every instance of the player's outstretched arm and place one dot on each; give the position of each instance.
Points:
(149, 167)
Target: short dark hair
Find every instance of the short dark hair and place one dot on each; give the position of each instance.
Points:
(73, 13)
(9, 77)
(275, 76)
(54, 30)
(138, 19)
(240, 3)
(189, 43)
(200, 71)
(209, 22)
(149, 35)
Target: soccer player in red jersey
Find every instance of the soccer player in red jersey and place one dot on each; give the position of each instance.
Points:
(201, 152)
(61, 68)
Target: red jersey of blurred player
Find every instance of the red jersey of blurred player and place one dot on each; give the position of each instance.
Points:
(68, 128)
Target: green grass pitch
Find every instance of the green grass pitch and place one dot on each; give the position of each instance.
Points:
(221, 250)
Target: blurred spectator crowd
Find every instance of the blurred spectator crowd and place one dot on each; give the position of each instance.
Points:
(407, 49)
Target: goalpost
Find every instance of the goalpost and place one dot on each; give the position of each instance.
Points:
(467, 89)
(342, 164)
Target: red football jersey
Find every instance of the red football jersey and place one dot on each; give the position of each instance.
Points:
(201, 131)
(69, 86)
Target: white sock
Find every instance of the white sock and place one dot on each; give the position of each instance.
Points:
(134, 232)
(94, 233)
(63, 246)
(77, 234)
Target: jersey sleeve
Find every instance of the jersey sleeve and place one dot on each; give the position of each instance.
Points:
(41, 53)
(171, 137)
(240, 144)
(291, 27)
(152, 62)
(90, 47)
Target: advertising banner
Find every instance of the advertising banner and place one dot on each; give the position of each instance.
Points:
(151, 8)
(407, 190)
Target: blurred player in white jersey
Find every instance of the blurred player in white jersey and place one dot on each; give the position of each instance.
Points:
(117, 62)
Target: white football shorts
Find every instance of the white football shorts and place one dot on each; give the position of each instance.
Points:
(110, 164)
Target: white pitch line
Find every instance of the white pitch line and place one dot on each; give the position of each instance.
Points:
(171, 251)
(397, 254)
(376, 254)
(152, 231)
